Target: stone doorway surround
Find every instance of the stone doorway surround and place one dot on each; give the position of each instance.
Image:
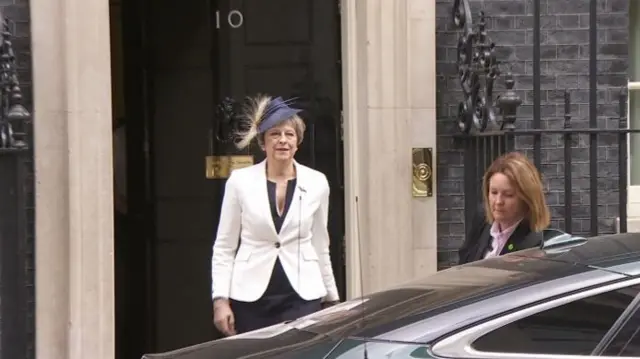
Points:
(389, 74)
(389, 107)
(73, 171)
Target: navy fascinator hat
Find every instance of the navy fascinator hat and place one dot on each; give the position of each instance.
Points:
(263, 113)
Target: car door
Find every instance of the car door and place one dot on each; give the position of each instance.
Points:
(623, 340)
(570, 326)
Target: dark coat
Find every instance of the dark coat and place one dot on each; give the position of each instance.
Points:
(478, 240)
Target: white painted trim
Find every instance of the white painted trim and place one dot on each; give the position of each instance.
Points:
(629, 88)
(633, 192)
(633, 209)
(351, 106)
(633, 85)
(634, 195)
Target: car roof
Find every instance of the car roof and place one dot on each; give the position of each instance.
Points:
(613, 252)
(557, 269)
(423, 310)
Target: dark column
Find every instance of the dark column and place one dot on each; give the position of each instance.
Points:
(14, 200)
(13, 240)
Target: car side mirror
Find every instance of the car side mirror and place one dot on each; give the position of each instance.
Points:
(557, 240)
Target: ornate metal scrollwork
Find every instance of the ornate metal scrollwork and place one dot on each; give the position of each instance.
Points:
(13, 115)
(224, 156)
(225, 123)
(477, 70)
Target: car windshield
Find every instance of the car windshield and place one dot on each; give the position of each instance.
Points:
(388, 310)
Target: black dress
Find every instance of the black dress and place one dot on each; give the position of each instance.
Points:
(280, 302)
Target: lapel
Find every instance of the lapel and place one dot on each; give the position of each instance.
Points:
(295, 207)
(483, 242)
(522, 238)
(263, 202)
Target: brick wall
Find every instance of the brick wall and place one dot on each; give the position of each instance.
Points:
(564, 65)
(17, 12)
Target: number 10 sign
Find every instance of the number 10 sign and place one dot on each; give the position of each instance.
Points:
(233, 19)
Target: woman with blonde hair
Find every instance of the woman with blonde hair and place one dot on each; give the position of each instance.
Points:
(514, 210)
(271, 258)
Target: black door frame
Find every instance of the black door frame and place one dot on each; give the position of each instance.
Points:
(139, 109)
(222, 78)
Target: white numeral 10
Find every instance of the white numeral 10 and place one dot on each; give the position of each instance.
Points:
(234, 19)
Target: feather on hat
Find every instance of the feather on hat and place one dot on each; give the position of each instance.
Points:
(261, 114)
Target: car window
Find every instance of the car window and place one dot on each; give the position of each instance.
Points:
(574, 328)
(626, 343)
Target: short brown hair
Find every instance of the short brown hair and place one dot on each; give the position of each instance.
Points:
(524, 176)
(296, 122)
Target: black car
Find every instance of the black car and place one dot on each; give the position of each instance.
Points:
(572, 298)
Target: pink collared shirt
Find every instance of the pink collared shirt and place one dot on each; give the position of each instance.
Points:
(499, 238)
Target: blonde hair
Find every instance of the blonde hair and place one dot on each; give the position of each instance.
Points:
(524, 176)
(253, 115)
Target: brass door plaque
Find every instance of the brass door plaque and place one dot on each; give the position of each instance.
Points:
(422, 161)
(220, 167)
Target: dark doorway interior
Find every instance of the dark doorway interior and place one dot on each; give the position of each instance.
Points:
(177, 63)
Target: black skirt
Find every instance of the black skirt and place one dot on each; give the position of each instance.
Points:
(279, 303)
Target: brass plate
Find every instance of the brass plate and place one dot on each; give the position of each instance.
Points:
(422, 179)
(220, 167)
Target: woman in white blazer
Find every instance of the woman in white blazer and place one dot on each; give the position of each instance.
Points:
(271, 258)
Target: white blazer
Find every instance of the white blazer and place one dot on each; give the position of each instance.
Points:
(243, 273)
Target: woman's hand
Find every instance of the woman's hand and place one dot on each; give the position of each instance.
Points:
(223, 317)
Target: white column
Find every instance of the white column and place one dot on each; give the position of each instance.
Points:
(389, 75)
(422, 108)
(73, 168)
